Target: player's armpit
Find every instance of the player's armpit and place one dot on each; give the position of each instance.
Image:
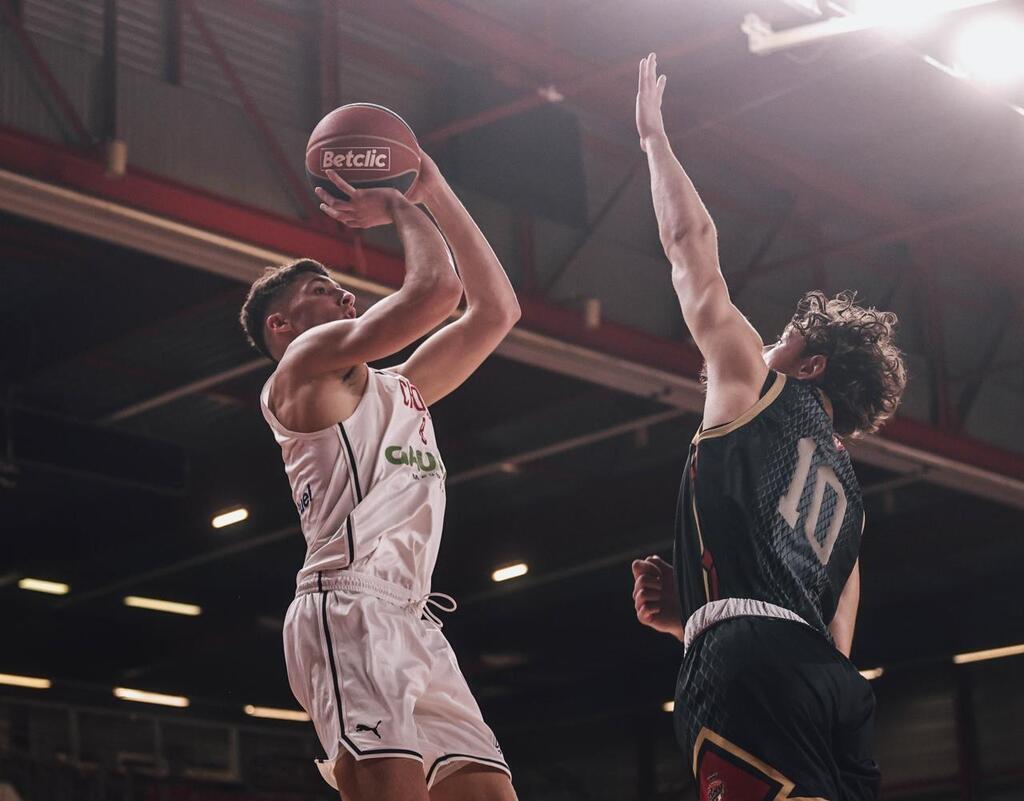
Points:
(450, 356)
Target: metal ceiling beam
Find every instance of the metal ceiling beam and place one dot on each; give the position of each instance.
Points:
(931, 317)
(904, 220)
(570, 84)
(820, 178)
(46, 76)
(1003, 326)
(297, 189)
(488, 33)
(1003, 264)
(505, 42)
(461, 477)
(549, 337)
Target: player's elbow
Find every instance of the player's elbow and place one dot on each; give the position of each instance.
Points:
(495, 317)
(441, 293)
(449, 291)
(509, 312)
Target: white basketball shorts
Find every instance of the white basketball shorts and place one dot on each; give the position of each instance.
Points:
(379, 679)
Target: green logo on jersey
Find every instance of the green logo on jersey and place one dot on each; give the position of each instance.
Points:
(424, 461)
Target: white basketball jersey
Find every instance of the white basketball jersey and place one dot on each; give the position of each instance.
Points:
(369, 491)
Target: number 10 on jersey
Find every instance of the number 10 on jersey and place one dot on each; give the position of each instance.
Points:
(789, 503)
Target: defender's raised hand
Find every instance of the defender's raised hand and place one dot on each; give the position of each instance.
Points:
(656, 597)
(649, 121)
(365, 208)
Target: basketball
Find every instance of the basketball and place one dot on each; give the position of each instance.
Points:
(367, 145)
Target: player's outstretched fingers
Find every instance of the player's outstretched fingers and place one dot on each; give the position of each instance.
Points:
(329, 200)
(341, 183)
(341, 215)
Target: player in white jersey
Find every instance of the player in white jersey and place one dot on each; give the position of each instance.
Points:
(363, 647)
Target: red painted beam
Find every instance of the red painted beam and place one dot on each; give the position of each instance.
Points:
(905, 221)
(575, 82)
(508, 43)
(149, 193)
(45, 74)
(298, 189)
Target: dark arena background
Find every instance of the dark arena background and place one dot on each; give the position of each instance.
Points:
(151, 163)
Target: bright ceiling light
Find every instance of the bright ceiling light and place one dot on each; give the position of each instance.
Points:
(668, 706)
(276, 714)
(991, 653)
(157, 605)
(39, 585)
(991, 50)
(905, 15)
(25, 681)
(510, 572)
(872, 673)
(230, 517)
(126, 694)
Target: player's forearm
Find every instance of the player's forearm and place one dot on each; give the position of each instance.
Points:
(488, 290)
(429, 275)
(684, 225)
(845, 619)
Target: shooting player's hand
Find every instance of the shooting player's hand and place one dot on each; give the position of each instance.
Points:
(365, 208)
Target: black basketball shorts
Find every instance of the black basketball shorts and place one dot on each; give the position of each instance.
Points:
(769, 710)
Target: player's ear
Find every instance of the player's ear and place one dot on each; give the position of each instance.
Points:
(276, 324)
(813, 367)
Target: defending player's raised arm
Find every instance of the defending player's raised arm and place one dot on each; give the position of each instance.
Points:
(429, 293)
(727, 341)
(452, 354)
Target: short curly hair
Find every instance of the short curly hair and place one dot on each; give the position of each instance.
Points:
(865, 375)
(264, 291)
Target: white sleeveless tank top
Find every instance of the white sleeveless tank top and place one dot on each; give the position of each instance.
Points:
(369, 491)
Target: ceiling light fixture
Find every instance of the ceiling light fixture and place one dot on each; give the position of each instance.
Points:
(991, 653)
(155, 604)
(144, 697)
(991, 50)
(15, 680)
(270, 712)
(230, 517)
(40, 585)
(510, 572)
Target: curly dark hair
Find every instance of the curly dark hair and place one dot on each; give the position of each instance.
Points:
(865, 375)
(264, 291)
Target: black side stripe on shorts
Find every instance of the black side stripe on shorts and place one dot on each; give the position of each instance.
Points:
(359, 492)
(337, 687)
(449, 757)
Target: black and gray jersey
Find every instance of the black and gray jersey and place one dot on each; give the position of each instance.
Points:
(770, 509)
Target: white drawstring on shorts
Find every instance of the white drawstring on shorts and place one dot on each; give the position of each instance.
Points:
(439, 600)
